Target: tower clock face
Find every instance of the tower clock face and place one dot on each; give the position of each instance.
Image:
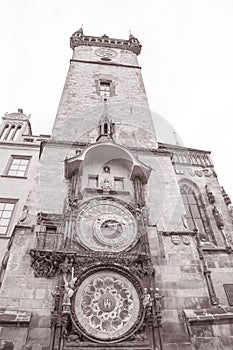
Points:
(105, 52)
(106, 226)
(106, 305)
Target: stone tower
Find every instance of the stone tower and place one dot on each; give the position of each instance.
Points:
(125, 239)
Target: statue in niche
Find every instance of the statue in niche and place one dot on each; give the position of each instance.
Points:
(106, 185)
(158, 299)
(147, 300)
(106, 182)
(218, 218)
(147, 303)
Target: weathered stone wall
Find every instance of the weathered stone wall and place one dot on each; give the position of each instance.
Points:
(22, 291)
(81, 105)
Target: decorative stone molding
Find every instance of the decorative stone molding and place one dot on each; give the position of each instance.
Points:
(180, 236)
(188, 171)
(213, 315)
(116, 278)
(15, 318)
(46, 218)
(48, 263)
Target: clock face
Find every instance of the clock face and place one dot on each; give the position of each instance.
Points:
(108, 53)
(106, 226)
(106, 305)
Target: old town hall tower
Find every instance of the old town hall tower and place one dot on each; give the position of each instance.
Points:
(123, 242)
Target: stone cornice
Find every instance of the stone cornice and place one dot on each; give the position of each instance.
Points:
(19, 144)
(106, 63)
(213, 315)
(170, 147)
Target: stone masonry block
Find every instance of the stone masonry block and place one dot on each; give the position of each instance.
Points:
(39, 335)
(40, 293)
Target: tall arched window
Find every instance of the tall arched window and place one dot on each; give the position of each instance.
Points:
(5, 132)
(11, 133)
(17, 133)
(195, 213)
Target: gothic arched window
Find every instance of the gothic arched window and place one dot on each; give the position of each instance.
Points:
(195, 213)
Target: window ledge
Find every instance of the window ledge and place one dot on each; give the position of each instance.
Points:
(9, 317)
(15, 177)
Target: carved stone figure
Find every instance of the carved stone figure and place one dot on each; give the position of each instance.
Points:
(218, 218)
(106, 185)
(24, 214)
(184, 221)
(69, 291)
(147, 300)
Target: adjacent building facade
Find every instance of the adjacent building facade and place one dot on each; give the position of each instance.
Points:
(19, 152)
(116, 240)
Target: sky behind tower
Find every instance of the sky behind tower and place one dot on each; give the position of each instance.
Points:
(186, 61)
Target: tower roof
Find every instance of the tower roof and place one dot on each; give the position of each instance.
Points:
(19, 116)
(78, 39)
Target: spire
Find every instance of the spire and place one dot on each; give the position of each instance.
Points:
(175, 136)
(105, 124)
(76, 38)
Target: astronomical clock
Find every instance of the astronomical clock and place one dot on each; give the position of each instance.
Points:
(105, 292)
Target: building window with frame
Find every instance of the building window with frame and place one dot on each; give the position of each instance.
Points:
(18, 166)
(195, 214)
(6, 212)
(105, 88)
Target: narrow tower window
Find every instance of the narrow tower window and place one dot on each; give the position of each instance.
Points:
(17, 132)
(105, 128)
(5, 132)
(11, 133)
(194, 211)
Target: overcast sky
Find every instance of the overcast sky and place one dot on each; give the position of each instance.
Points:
(186, 59)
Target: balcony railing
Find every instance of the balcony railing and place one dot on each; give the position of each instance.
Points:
(48, 240)
(192, 158)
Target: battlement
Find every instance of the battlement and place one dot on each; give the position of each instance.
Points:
(132, 44)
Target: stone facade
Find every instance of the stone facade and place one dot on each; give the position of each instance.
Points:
(127, 242)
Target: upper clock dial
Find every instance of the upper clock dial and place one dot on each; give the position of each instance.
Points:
(105, 52)
(106, 226)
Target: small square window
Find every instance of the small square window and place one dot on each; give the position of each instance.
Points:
(104, 88)
(18, 166)
(119, 184)
(6, 212)
(93, 181)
